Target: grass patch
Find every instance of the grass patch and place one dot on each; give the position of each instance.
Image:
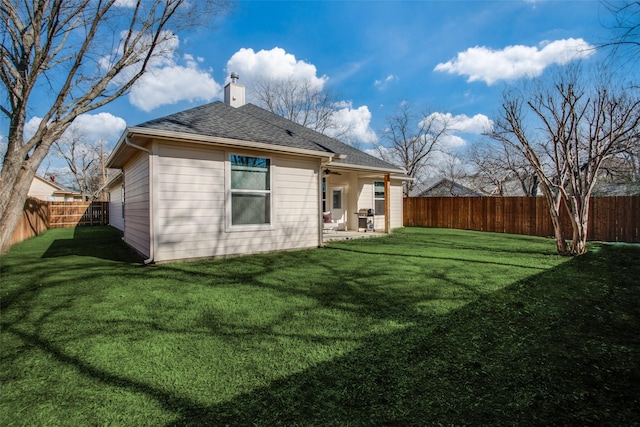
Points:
(422, 327)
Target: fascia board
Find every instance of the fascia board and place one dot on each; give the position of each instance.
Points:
(203, 139)
(348, 166)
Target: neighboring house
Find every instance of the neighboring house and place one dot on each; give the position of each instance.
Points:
(229, 178)
(446, 188)
(46, 189)
(115, 191)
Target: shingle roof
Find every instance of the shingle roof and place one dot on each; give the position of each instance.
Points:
(254, 124)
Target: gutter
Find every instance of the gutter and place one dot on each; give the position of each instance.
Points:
(151, 234)
(230, 142)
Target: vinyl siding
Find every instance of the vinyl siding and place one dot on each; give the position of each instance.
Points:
(396, 204)
(115, 208)
(190, 211)
(42, 190)
(136, 210)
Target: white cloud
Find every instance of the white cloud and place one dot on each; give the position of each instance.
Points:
(125, 3)
(168, 78)
(463, 123)
(382, 84)
(357, 122)
(92, 127)
(453, 141)
(513, 62)
(274, 64)
(31, 127)
(172, 84)
(99, 126)
(458, 127)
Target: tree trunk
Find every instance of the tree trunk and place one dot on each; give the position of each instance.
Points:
(579, 213)
(553, 204)
(15, 197)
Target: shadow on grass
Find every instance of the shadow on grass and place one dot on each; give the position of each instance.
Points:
(543, 351)
(389, 253)
(525, 355)
(92, 242)
(98, 242)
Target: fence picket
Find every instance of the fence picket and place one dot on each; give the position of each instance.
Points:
(613, 219)
(38, 216)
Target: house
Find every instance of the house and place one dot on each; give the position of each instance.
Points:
(230, 178)
(48, 190)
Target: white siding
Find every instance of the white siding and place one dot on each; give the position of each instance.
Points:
(396, 204)
(42, 190)
(190, 211)
(116, 218)
(136, 208)
(366, 200)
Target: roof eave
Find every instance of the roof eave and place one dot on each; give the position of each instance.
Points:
(205, 139)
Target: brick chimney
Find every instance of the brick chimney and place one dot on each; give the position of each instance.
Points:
(233, 92)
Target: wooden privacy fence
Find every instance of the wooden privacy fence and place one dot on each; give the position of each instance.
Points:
(39, 216)
(611, 219)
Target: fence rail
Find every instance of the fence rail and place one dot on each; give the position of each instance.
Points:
(38, 216)
(613, 219)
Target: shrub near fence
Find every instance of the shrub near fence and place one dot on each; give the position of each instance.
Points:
(612, 219)
(38, 216)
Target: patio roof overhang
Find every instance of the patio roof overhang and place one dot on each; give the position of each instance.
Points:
(396, 174)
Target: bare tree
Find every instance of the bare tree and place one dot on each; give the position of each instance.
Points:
(410, 140)
(497, 164)
(625, 27)
(83, 54)
(452, 170)
(567, 131)
(83, 160)
(301, 101)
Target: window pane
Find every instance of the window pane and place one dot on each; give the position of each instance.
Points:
(249, 173)
(255, 162)
(378, 196)
(337, 199)
(249, 179)
(250, 208)
(379, 190)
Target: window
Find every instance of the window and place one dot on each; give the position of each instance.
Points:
(337, 199)
(250, 190)
(378, 197)
(324, 195)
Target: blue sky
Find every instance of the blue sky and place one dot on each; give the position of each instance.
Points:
(448, 57)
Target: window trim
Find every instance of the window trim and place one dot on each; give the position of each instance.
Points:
(230, 227)
(375, 199)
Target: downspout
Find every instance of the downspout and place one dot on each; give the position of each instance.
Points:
(151, 235)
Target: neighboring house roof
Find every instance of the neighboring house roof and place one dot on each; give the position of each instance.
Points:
(616, 189)
(220, 123)
(447, 188)
(56, 189)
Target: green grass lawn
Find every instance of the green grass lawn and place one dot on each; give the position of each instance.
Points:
(423, 327)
